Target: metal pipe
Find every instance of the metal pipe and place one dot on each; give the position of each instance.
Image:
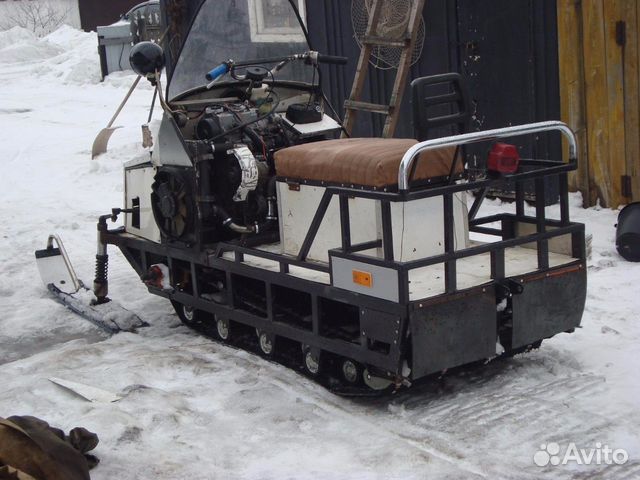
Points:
(272, 200)
(487, 135)
(53, 237)
(272, 211)
(239, 228)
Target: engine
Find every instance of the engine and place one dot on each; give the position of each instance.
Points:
(227, 191)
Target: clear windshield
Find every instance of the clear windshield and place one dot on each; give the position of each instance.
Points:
(240, 30)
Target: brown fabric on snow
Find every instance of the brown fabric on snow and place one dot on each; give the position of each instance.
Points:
(9, 473)
(30, 445)
(371, 162)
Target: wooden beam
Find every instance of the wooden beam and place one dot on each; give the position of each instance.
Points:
(613, 14)
(572, 88)
(595, 76)
(630, 54)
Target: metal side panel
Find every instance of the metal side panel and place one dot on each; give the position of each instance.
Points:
(169, 148)
(458, 330)
(297, 207)
(417, 226)
(380, 282)
(549, 305)
(55, 269)
(137, 185)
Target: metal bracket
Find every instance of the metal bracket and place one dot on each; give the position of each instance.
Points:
(621, 33)
(47, 270)
(626, 188)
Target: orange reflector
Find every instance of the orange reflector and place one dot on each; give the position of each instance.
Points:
(364, 279)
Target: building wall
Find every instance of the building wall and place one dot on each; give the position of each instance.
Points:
(513, 76)
(331, 30)
(100, 12)
(600, 91)
(10, 10)
(510, 43)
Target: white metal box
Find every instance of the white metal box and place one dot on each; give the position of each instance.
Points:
(137, 190)
(417, 226)
(116, 40)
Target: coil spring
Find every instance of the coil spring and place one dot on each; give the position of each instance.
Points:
(102, 268)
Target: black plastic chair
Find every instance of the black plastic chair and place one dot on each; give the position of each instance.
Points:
(441, 103)
(441, 107)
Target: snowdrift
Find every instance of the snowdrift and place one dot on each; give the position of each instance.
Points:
(67, 54)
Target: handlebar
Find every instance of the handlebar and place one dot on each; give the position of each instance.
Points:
(218, 71)
(310, 57)
(332, 59)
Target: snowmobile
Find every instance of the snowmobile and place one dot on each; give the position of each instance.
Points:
(357, 258)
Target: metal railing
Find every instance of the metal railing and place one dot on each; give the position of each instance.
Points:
(488, 135)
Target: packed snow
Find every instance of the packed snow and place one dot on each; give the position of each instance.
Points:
(193, 408)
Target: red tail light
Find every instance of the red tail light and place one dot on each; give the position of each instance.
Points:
(503, 158)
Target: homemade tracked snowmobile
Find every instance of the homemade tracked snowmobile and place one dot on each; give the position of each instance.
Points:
(360, 253)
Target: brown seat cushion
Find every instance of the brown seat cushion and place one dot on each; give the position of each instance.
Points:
(370, 162)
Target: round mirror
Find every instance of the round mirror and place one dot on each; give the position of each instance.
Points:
(146, 58)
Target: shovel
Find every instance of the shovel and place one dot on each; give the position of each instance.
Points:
(102, 140)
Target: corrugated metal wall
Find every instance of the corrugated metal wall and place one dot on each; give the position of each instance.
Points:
(509, 56)
(507, 49)
(329, 23)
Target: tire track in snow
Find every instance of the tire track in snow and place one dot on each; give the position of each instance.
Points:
(443, 425)
(325, 401)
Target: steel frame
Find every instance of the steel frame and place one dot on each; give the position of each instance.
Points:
(138, 251)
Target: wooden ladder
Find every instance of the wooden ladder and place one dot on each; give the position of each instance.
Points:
(371, 39)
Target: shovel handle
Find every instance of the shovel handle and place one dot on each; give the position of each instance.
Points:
(126, 98)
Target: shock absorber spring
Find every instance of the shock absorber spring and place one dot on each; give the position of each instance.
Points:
(100, 283)
(102, 268)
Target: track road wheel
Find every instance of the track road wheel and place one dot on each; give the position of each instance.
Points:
(311, 360)
(350, 371)
(190, 316)
(223, 328)
(266, 341)
(374, 382)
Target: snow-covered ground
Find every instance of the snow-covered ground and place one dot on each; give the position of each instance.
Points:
(199, 410)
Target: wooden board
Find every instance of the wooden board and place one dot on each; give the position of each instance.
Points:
(631, 52)
(615, 99)
(596, 100)
(599, 88)
(572, 88)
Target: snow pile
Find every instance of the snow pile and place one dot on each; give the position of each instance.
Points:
(21, 45)
(67, 54)
(15, 35)
(69, 38)
(79, 63)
